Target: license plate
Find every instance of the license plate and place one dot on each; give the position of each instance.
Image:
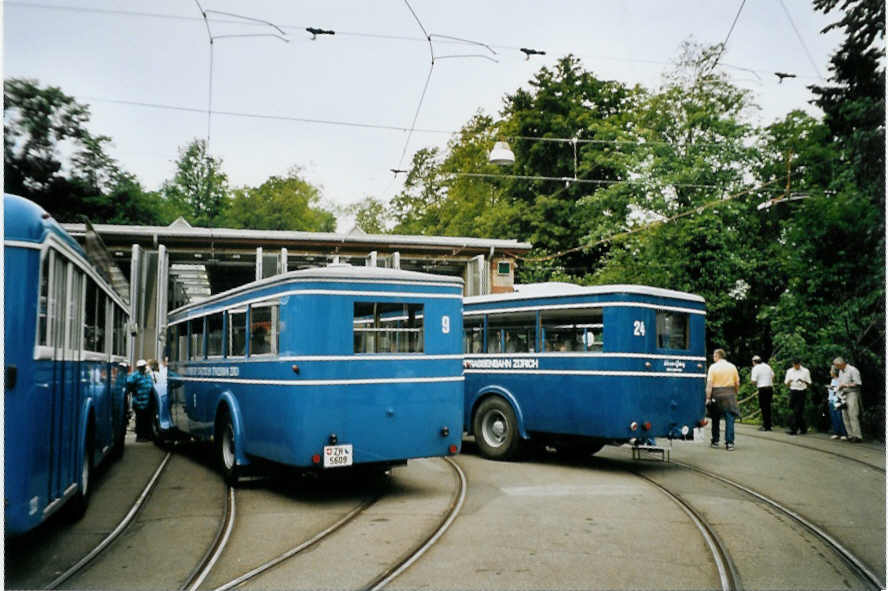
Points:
(337, 456)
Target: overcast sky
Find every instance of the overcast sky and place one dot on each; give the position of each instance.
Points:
(372, 71)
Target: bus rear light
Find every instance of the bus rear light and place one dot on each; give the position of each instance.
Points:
(334, 439)
(445, 431)
(702, 423)
(316, 459)
(452, 448)
(633, 426)
(646, 426)
(685, 430)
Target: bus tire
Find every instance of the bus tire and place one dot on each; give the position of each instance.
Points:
(80, 501)
(224, 439)
(496, 429)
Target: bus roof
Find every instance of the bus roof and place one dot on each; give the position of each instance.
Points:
(555, 289)
(338, 272)
(25, 221)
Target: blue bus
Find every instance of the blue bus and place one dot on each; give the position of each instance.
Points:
(325, 368)
(580, 367)
(65, 368)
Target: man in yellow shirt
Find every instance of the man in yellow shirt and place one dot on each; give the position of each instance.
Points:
(722, 383)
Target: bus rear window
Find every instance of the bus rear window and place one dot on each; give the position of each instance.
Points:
(672, 330)
(576, 330)
(388, 328)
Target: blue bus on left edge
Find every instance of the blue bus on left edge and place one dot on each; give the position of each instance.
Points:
(65, 355)
(325, 367)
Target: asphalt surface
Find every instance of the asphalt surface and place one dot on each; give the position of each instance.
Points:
(544, 522)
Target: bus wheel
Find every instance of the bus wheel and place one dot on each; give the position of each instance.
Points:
(225, 449)
(496, 429)
(80, 501)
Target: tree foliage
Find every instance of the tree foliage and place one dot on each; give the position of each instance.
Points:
(280, 203)
(199, 189)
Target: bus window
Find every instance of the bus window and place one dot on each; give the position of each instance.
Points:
(511, 333)
(573, 330)
(263, 330)
(173, 342)
(237, 333)
(196, 340)
(42, 328)
(214, 335)
(75, 314)
(473, 335)
(388, 328)
(119, 341)
(672, 330)
(95, 318)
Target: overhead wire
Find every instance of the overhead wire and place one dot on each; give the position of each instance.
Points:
(801, 40)
(724, 43)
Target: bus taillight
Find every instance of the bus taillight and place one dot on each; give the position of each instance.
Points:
(646, 426)
(633, 426)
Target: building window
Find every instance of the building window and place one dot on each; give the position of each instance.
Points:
(579, 330)
(503, 268)
(388, 328)
(672, 330)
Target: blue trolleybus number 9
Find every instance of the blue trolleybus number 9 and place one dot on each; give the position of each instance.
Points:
(336, 456)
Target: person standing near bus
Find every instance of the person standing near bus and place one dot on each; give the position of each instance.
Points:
(798, 378)
(849, 385)
(141, 385)
(763, 377)
(722, 384)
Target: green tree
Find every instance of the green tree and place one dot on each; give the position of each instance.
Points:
(199, 190)
(88, 182)
(371, 215)
(280, 203)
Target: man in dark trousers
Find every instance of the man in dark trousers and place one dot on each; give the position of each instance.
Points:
(798, 378)
(141, 385)
(763, 377)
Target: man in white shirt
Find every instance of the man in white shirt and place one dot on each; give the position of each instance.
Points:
(763, 377)
(849, 385)
(798, 378)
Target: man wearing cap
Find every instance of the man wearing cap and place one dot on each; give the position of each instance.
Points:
(763, 377)
(798, 378)
(849, 385)
(141, 385)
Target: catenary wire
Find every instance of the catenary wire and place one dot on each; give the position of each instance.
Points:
(801, 40)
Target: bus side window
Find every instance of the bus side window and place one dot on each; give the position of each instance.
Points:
(672, 330)
(173, 342)
(511, 333)
(196, 332)
(237, 333)
(579, 329)
(263, 330)
(473, 335)
(214, 335)
(43, 310)
(94, 319)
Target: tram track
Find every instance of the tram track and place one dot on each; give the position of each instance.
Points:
(813, 448)
(394, 570)
(81, 564)
(727, 570)
(853, 563)
(214, 551)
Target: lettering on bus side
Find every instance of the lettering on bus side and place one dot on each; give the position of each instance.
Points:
(212, 371)
(674, 365)
(504, 363)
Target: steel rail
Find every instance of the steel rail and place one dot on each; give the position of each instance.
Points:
(456, 504)
(727, 571)
(811, 447)
(856, 565)
(297, 549)
(211, 556)
(115, 532)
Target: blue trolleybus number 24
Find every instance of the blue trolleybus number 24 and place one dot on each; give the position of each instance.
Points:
(638, 328)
